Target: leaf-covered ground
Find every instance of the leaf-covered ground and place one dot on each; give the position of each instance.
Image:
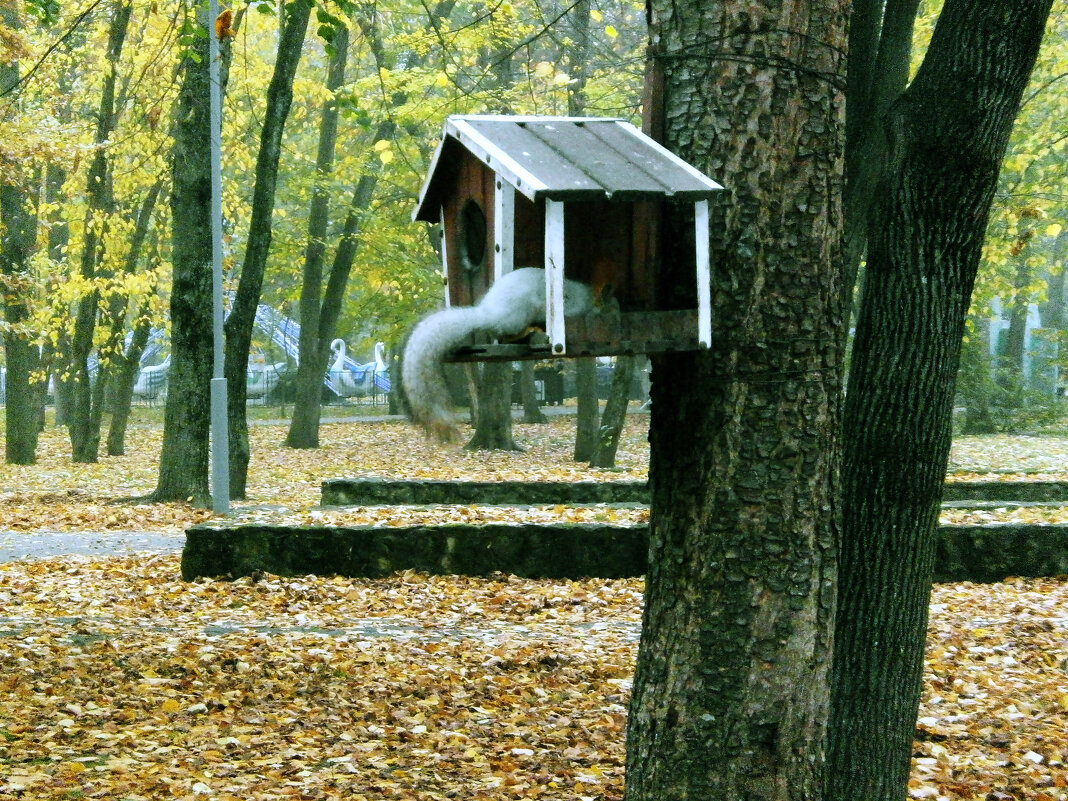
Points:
(119, 681)
(284, 483)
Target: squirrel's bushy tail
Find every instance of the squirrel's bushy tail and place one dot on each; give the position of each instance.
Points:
(421, 373)
(510, 305)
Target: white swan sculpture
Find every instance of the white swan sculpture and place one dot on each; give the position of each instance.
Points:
(355, 380)
(152, 381)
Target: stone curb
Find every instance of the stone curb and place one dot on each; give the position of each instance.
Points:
(986, 553)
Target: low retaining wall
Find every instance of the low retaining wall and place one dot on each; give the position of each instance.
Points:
(534, 551)
(420, 492)
(993, 551)
(562, 551)
(1032, 491)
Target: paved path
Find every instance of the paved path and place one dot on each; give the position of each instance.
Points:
(43, 544)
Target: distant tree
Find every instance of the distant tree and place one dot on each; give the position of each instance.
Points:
(293, 25)
(493, 417)
(304, 427)
(127, 358)
(588, 411)
(615, 413)
(18, 224)
(88, 395)
(58, 239)
(528, 393)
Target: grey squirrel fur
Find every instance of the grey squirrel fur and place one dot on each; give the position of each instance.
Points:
(510, 306)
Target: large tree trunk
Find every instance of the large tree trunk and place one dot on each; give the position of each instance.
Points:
(18, 225)
(924, 241)
(730, 693)
(183, 466)
(17, 228)
(307, 406)
(294, 19)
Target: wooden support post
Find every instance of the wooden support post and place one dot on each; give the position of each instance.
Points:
(444, 257)
(554, 275)
(503, 228)
(704, 291)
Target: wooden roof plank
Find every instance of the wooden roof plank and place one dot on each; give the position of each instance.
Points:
(554, 174)
(683, 176)
(582, 145)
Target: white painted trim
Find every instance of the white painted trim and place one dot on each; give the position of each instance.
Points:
(444, 256)
(663, 151)
(497, 160)
(554, 275)
(426, 181)
(704, 281)
(503, 227)
(528, 118)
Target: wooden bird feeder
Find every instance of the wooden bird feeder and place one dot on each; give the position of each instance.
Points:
(582, 197)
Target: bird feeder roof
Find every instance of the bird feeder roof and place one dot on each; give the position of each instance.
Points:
(562, 158)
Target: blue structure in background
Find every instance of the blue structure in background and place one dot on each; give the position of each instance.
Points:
(1040, 346)
(346, 378)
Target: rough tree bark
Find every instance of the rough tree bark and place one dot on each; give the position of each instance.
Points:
(183, 463)
(18, 224)
(948, 133)
(730, 692)
(294, 24)
(880, 45)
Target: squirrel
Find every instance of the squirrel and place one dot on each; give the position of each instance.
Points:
(512, 304)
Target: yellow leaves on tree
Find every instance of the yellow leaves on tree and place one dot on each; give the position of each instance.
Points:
(224, 25)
